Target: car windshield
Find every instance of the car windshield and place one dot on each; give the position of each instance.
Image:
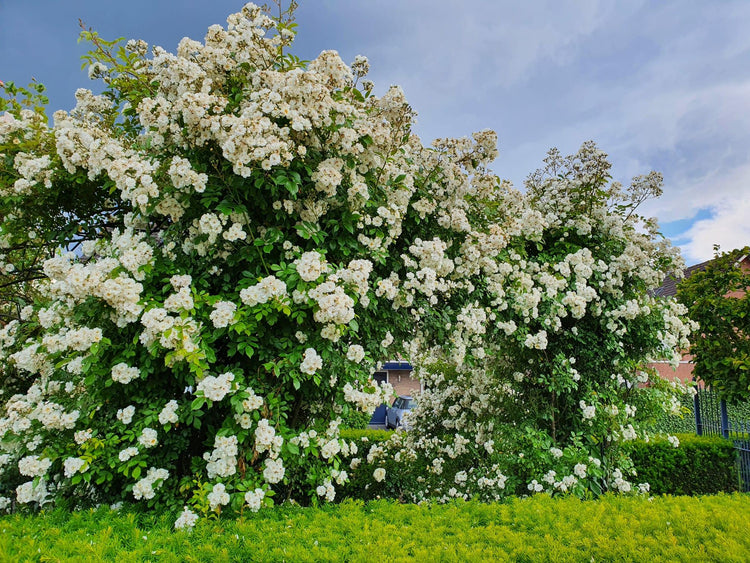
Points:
(408, 404)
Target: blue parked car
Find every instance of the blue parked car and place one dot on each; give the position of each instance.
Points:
(397, 414)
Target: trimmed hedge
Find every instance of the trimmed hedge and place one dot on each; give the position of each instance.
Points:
(534, 529)
(357, 434)
(685, 422)
(700, 465)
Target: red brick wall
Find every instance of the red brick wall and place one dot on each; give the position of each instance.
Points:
(403, 382)
(684, 371)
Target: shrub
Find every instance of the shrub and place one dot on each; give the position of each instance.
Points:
(534, 529)
(251, 235)
(700, 465)
(355, 419)
(682, 422)
(397, 478)
(262, 232)
(560, 390)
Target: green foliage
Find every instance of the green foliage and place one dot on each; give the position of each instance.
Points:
(685, 421)
(373, 436)
(562, 386)
(233, 283)
(682, 423)
(718, 301)
(536, 529)
(401, 475)
(355, 419)
(700, 465)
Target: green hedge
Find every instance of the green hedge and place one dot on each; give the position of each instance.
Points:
(700, 465)
(372, 435)
(685, 422)
(535, 529)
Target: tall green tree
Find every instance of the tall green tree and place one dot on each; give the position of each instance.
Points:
(718, 301)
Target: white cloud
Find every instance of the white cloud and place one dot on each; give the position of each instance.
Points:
(728, 227)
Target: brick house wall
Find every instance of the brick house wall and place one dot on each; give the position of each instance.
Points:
(403, 382)
(400, 375)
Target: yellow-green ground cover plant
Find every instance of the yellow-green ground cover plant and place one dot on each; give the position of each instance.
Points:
(247, 235)
(612, 528)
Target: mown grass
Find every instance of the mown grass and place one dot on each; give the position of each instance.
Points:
(710, 528)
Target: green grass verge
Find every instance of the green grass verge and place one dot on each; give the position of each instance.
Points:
(711, 528)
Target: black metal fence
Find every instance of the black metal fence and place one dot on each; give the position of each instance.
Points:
(712, 419)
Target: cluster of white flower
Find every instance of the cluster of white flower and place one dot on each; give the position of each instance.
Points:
(254, 499)
(30, 492)
(148, 438)
(355, 353)
(144, 488)
(273, 471)
(74, 283)
(223, 314)
(186, 520)
(222, 461)
(218, 496)
(252, 402)
(215, 388)
(73, 465)
(168, 414)
(326, 490)
(180, 301)
(33, 466)
(266, 438)
(330, 449)
(123, 373)
(264, 291)
(126, 415)
(310, 266)
(334, 305)
(82, 436)
(127, 454)
(588, 411)
(311, 362)
(618, 483)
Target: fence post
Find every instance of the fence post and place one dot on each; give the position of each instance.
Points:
(724, 419)
(697, 411)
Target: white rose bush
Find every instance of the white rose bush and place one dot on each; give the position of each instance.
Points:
(555, 381)
(209, 259)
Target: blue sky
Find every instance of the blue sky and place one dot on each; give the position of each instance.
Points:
(659, 85)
